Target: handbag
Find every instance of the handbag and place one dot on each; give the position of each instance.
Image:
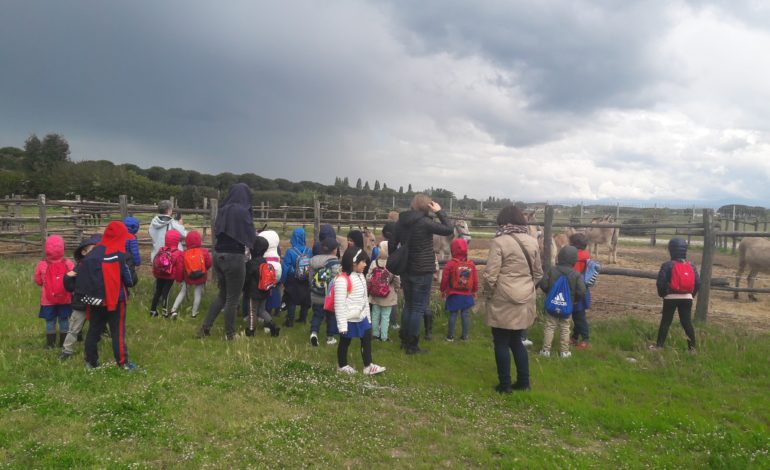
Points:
(398, 261)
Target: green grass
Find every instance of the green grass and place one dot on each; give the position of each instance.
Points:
(262, 402)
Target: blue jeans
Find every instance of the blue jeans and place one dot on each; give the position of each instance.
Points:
(581, 325)
(319, 315)
(505, 341)
(64, 325)
(466, 322)
(416, 301)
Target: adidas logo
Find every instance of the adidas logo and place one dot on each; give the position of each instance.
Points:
(559, 300)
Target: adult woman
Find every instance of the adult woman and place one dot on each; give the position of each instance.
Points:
(234, 231)
(416, 229)
(509, 279)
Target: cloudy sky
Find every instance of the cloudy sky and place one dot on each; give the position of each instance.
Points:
(533, 100)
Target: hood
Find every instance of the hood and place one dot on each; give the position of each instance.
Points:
(54, 248)
(567, 256)
(389, 230)
(298, 238)
(193, 239)
(132, 224)
(172, 239)
(677, 248)
(410, 217)
(383, 251)
(160, 221)
(357, 237)
(272, 239)
(459, 248)
(326, 231)
(114, 238)
(260, 247)
(92, 240)
(239, 194)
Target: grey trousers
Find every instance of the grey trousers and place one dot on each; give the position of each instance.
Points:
(231, 271)
(77, 320)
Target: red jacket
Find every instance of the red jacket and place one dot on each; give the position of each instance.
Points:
(193, 242)
(583, 256)
(459, 250)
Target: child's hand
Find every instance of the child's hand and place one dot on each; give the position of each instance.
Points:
(343, 332)
(72, 274)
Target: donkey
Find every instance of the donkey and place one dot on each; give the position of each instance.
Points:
(442, 245)
(370, 241)
(603, 236)
(756, 253)
(536, 232)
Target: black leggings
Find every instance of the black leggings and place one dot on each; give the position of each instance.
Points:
(684, 306)
(162, 288)
(366, 349)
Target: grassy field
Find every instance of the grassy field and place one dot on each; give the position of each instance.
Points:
(279, 403)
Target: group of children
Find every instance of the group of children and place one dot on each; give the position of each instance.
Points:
(351, 294)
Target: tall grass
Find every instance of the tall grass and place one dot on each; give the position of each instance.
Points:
(265, 402)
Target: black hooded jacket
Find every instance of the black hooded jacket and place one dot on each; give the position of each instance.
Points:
(417, 230)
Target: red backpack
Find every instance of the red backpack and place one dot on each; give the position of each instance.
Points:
(461, 275)
(379, 283)
(329, 299)
(54, 283)
(267, 279)
(682, 278)
(194, 263)
(163, 264)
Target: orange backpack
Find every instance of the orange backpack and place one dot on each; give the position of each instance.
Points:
(194, 263)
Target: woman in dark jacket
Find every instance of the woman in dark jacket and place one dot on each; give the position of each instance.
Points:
(416, 229)
(234, 231)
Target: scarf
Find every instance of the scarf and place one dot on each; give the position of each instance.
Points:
(508, 229)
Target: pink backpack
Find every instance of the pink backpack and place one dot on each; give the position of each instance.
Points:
(329, 300)
(379, 283)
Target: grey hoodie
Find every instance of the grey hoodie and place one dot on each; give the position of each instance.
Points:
(158, 227)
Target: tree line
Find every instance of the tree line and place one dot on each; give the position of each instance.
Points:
(44, 166)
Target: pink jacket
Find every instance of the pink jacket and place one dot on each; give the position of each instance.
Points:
(54, 252)
(177, 256)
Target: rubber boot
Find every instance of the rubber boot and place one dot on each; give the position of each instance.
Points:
(428, 320)
(274, 330)
(62, 336)
(50, 339)
(414, 346)
(404, 337)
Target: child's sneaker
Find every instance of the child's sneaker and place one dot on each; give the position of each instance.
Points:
(582, 345)
(545, 353)
(527, 343)
(64, 356)
(347, 370)
(463, 338)
(194, 314)
(573, 341)
(449, 339)
(565, 354)
(655, 347)
(331, 340)
(395, 327)
(314, 339)
(373, 369)
(174, 315)
(129, 366)
(153, 314)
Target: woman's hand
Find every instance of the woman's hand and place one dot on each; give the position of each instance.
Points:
(434, 206)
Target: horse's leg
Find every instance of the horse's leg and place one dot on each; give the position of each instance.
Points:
(738, 275)
(752, 276)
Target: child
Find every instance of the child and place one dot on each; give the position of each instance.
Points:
(55, 301)
(132, 245)
(197, 263)
(564, 262)
(101, 283)
(167, 267)
(78, 317)
(351, 307)
(323, 268)
(389, 234)
(256, 295)
(294, 277)
(273, 256)
(459, 284)
(382, 281)
(678, 281)
(579, 337)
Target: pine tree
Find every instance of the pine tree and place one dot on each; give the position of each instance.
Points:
(384, 186)
(400, 190)
(366, 186)
(358, 184)
(410, 188)
(346, 181)
(376, 185)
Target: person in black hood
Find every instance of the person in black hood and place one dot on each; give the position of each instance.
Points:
(234, 231)
(416, 228)
(256, 297)
(678, 281)
(78, 317)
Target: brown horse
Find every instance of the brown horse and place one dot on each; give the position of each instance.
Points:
(756, 253)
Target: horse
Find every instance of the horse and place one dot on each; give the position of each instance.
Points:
(599, 235)
(756, 253)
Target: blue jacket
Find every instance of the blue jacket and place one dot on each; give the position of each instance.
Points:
(132, 244)
(297, 247)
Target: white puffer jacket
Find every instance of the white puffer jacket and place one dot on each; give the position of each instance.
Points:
(350, 306)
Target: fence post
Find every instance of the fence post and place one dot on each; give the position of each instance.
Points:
(214, 207)
(316, 218)
(123, 202)
(735, 227)
(351, 214)
(43, 221)
(285, 214)
(339, 214)
(547, 237)
(702, 307)
(654, 235)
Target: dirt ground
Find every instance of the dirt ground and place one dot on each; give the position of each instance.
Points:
(621, 295)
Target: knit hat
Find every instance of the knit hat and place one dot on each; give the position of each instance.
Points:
(328, 245)
(114, 238)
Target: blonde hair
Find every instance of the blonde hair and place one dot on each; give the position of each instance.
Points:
(393, 216)
(421, 202)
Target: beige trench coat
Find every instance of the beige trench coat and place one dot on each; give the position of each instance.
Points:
(508, 285)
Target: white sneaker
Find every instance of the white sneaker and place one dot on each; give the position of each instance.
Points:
(174, 315)
(267, 330)
(313, 339)
(526, 342)
(373, 369)
(331, 340)
(545, 353)
(565, 354)
(347, 370)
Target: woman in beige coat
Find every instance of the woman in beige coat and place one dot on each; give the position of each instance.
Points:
(513, 270)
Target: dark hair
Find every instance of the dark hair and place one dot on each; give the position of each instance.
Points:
(357, 237)
(511, 215)
(165, 206)
(578, 240)
(352, 256)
